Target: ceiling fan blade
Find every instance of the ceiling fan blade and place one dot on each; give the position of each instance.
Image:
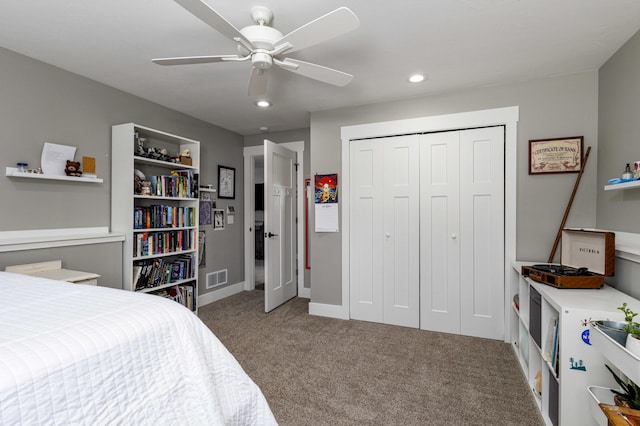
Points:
(333, 24)
(186, 60)
(314, 71)
(206, 14)
(258, 82)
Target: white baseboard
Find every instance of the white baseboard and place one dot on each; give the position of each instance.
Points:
(331, 311)
(215, 295)
(305, 293)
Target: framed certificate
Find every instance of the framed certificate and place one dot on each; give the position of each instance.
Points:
(559, 155)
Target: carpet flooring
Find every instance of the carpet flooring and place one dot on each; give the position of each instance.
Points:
(324, 371)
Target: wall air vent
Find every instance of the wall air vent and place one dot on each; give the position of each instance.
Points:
(217, 278)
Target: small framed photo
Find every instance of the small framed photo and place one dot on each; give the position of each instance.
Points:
(226, 182)
(218, 219)
(556, 155)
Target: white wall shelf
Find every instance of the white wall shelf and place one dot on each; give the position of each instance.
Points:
(625, 185)
(14, 172)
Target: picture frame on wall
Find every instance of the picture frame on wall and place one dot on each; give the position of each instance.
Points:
(226, 182)
(218, 219)
(556, 155)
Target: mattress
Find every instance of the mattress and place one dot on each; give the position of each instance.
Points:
(75, 354)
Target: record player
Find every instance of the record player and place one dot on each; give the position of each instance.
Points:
(587, 256)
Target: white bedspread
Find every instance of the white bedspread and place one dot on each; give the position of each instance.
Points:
(73, 355)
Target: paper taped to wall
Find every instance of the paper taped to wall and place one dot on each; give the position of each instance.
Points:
(326, 217)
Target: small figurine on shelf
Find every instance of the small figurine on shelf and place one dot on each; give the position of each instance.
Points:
(73, 168)
(140, 150)
(185, 157)
(146, 188)
(138, 180)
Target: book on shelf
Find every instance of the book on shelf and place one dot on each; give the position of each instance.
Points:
(555, 353)
(548, 347)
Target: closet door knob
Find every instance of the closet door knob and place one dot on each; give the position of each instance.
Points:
(388, 235)
(454, 236)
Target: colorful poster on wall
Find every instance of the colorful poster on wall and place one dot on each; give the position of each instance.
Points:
(326, 188)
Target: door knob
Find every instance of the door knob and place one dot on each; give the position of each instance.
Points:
(388, 235)
(269, 235)
(454, 236)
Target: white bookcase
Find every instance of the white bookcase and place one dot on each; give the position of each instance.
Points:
(161, 230)
(564, 398)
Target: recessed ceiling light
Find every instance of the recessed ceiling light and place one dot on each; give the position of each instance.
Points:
(264, 129)
(263, 104)
(417, 78)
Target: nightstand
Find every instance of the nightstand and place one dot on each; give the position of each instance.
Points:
(54, 271)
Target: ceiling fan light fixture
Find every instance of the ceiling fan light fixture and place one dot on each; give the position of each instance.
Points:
(263, 103)
(417, 78)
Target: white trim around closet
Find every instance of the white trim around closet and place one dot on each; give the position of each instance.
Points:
(507, 116)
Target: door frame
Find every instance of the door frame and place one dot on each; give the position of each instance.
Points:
(507, 116)
(250, 153)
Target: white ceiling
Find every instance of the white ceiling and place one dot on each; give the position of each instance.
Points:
(459, 43)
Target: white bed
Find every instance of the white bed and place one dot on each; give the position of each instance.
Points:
(74, 354)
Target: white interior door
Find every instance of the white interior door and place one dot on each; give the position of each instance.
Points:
(384, 235)
(439, 229)
(401, 245)
(366, 252)
(482, 228)
(462, 232)
(279, 229)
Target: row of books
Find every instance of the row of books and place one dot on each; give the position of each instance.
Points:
(183, 294)
(179, 184)
(161, 242)
(162, 216)
(156, 272)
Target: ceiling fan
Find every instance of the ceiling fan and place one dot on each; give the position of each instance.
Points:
(264, 46)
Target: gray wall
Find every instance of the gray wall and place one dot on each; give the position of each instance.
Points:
(41, 103)
(295, 135)
(555, 107)
(619, 135)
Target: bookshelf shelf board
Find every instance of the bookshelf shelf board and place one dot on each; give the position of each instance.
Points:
(207, 189)
(157, 197)
(154, 256)
(167, 164)
(163, 286)
(14, 172)
(625, 185)
(182, 228)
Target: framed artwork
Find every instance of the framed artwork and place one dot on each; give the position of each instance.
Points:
(218, 219)
(556, 155)
(205, 212)
(202, 258)
(226, 182)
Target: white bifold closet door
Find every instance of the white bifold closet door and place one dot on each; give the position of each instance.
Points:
(384, 251)
(462, 232)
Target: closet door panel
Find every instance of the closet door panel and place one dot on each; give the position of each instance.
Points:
(366, 251)
(401, 237)
(482, 232)
(439, 243)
